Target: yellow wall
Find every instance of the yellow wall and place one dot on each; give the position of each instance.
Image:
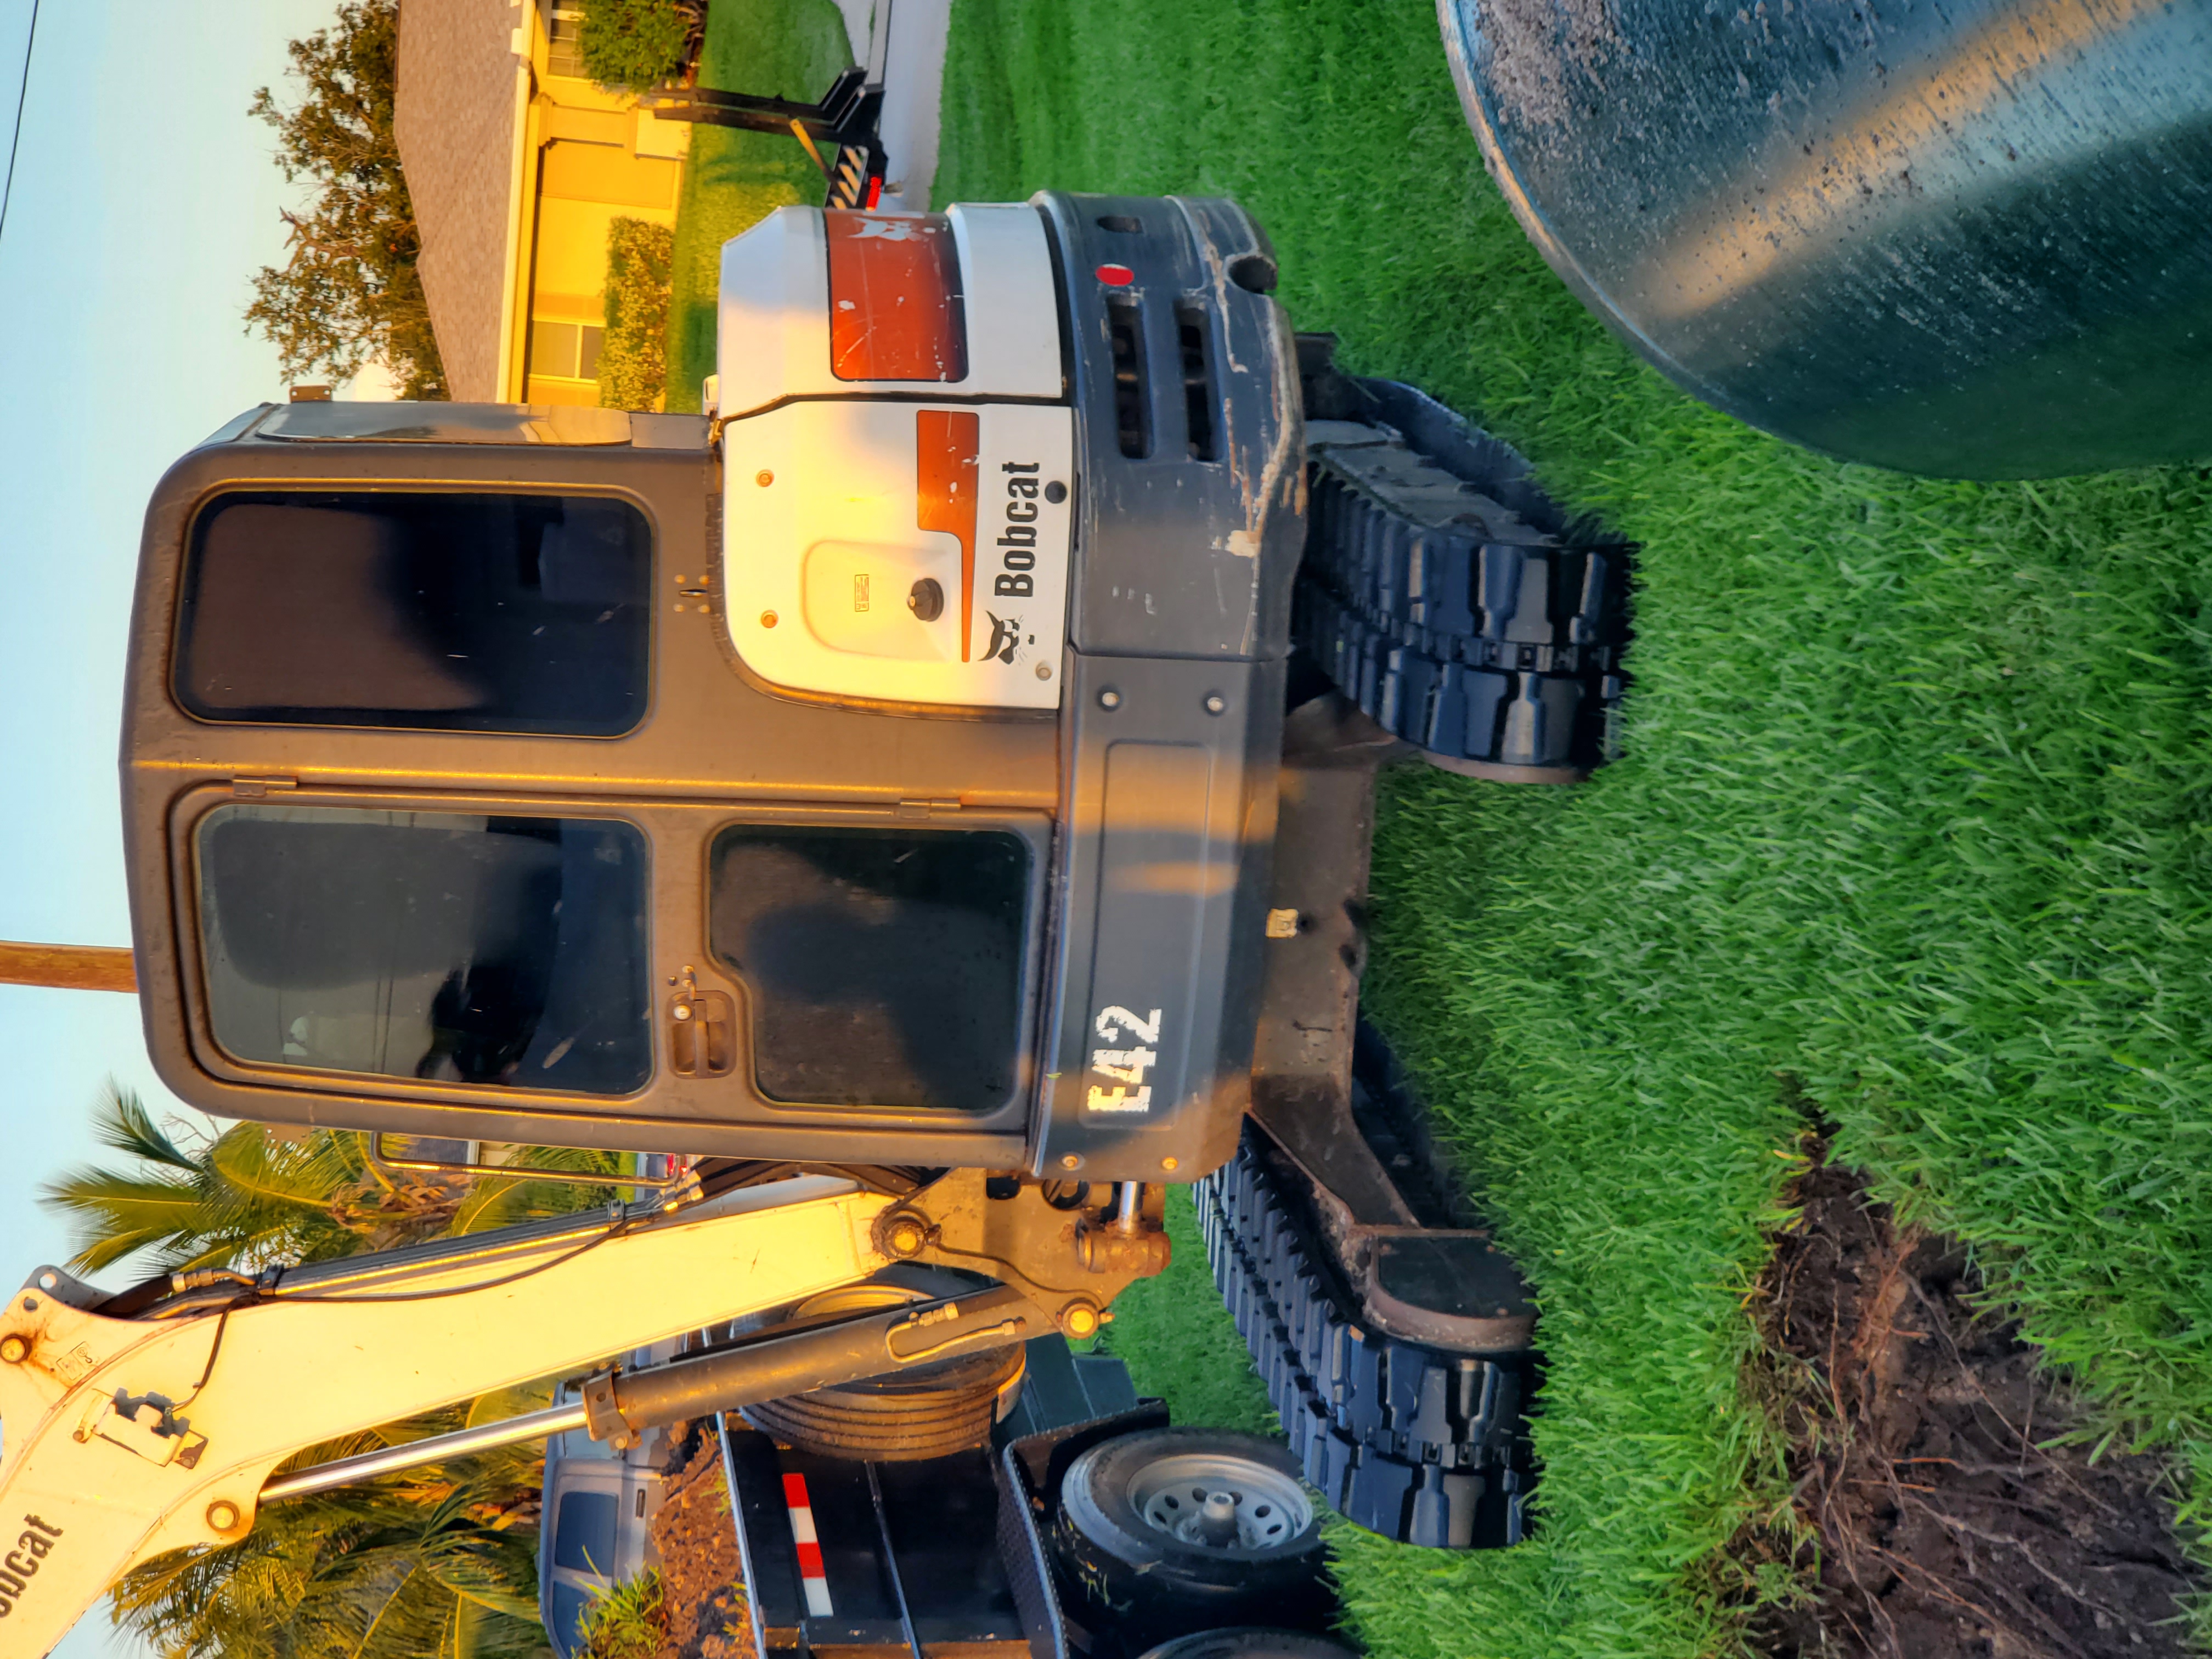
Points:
(579, 171)
(594, 158)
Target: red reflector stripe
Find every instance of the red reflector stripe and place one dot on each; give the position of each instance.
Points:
(1116, 275)
(895, 309)
(945, 443)
(812, 1574)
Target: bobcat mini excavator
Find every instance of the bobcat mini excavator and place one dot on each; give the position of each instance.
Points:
(911, 795)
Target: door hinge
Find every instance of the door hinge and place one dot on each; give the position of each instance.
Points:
(254, 788)
(922, 809)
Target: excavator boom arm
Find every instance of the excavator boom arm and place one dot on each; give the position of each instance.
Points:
(127, 1437)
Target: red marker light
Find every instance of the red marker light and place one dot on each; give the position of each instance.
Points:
(875, 193)
(1116, 275)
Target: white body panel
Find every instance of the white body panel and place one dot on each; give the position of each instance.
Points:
(773, 334)
(830, 548)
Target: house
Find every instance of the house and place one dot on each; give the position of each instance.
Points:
(518, 164)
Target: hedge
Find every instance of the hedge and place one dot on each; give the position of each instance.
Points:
(633, 360)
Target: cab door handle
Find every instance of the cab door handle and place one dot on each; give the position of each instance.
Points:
(701, 1034)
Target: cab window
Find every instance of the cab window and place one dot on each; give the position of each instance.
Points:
(508, 952)
(434, 612)
(881, 967)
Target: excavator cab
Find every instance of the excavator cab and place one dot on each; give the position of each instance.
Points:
(881, 770)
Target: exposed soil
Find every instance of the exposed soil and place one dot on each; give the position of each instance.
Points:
(702, 1582)
(1948, 1523)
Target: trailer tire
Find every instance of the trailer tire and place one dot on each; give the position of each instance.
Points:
(1130, 1533)
(1250, 1641)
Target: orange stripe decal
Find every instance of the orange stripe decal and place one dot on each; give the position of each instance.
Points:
(896, 310)
(945, 444)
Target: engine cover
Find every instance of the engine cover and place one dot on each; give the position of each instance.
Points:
(896, 529)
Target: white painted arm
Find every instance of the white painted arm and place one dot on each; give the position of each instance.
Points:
(123, 1439)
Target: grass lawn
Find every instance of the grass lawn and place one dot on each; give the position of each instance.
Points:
(1911, 834)
(779, 48)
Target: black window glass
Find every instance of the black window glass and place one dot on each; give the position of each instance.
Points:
(448, 612)
(883, 968)
(584, 1538)
(506, 951)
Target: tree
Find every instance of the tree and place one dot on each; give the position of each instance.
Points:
(436, 1561)
(247, 1199)
(349, 292)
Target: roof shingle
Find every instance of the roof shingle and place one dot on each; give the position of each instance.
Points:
(454, 119)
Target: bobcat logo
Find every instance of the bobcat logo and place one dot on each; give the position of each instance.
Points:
(1004, 636)
(20, 1564)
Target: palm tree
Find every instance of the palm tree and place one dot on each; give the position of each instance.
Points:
(436, 1561)
(248, 1199)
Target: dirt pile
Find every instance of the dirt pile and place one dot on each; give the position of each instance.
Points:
(701, 1578)
(1949, 1524)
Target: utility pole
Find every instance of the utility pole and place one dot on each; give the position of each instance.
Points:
(69, 967)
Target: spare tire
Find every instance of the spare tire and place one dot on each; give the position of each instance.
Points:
(1168, 1531)
(905, 1416)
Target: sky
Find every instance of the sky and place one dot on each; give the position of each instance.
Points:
(144, 199)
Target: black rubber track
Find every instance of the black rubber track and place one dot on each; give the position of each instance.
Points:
(1421, 1446)
(1458, 623)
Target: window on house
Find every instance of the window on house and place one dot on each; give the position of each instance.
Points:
(565, 351)
(564, 28)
